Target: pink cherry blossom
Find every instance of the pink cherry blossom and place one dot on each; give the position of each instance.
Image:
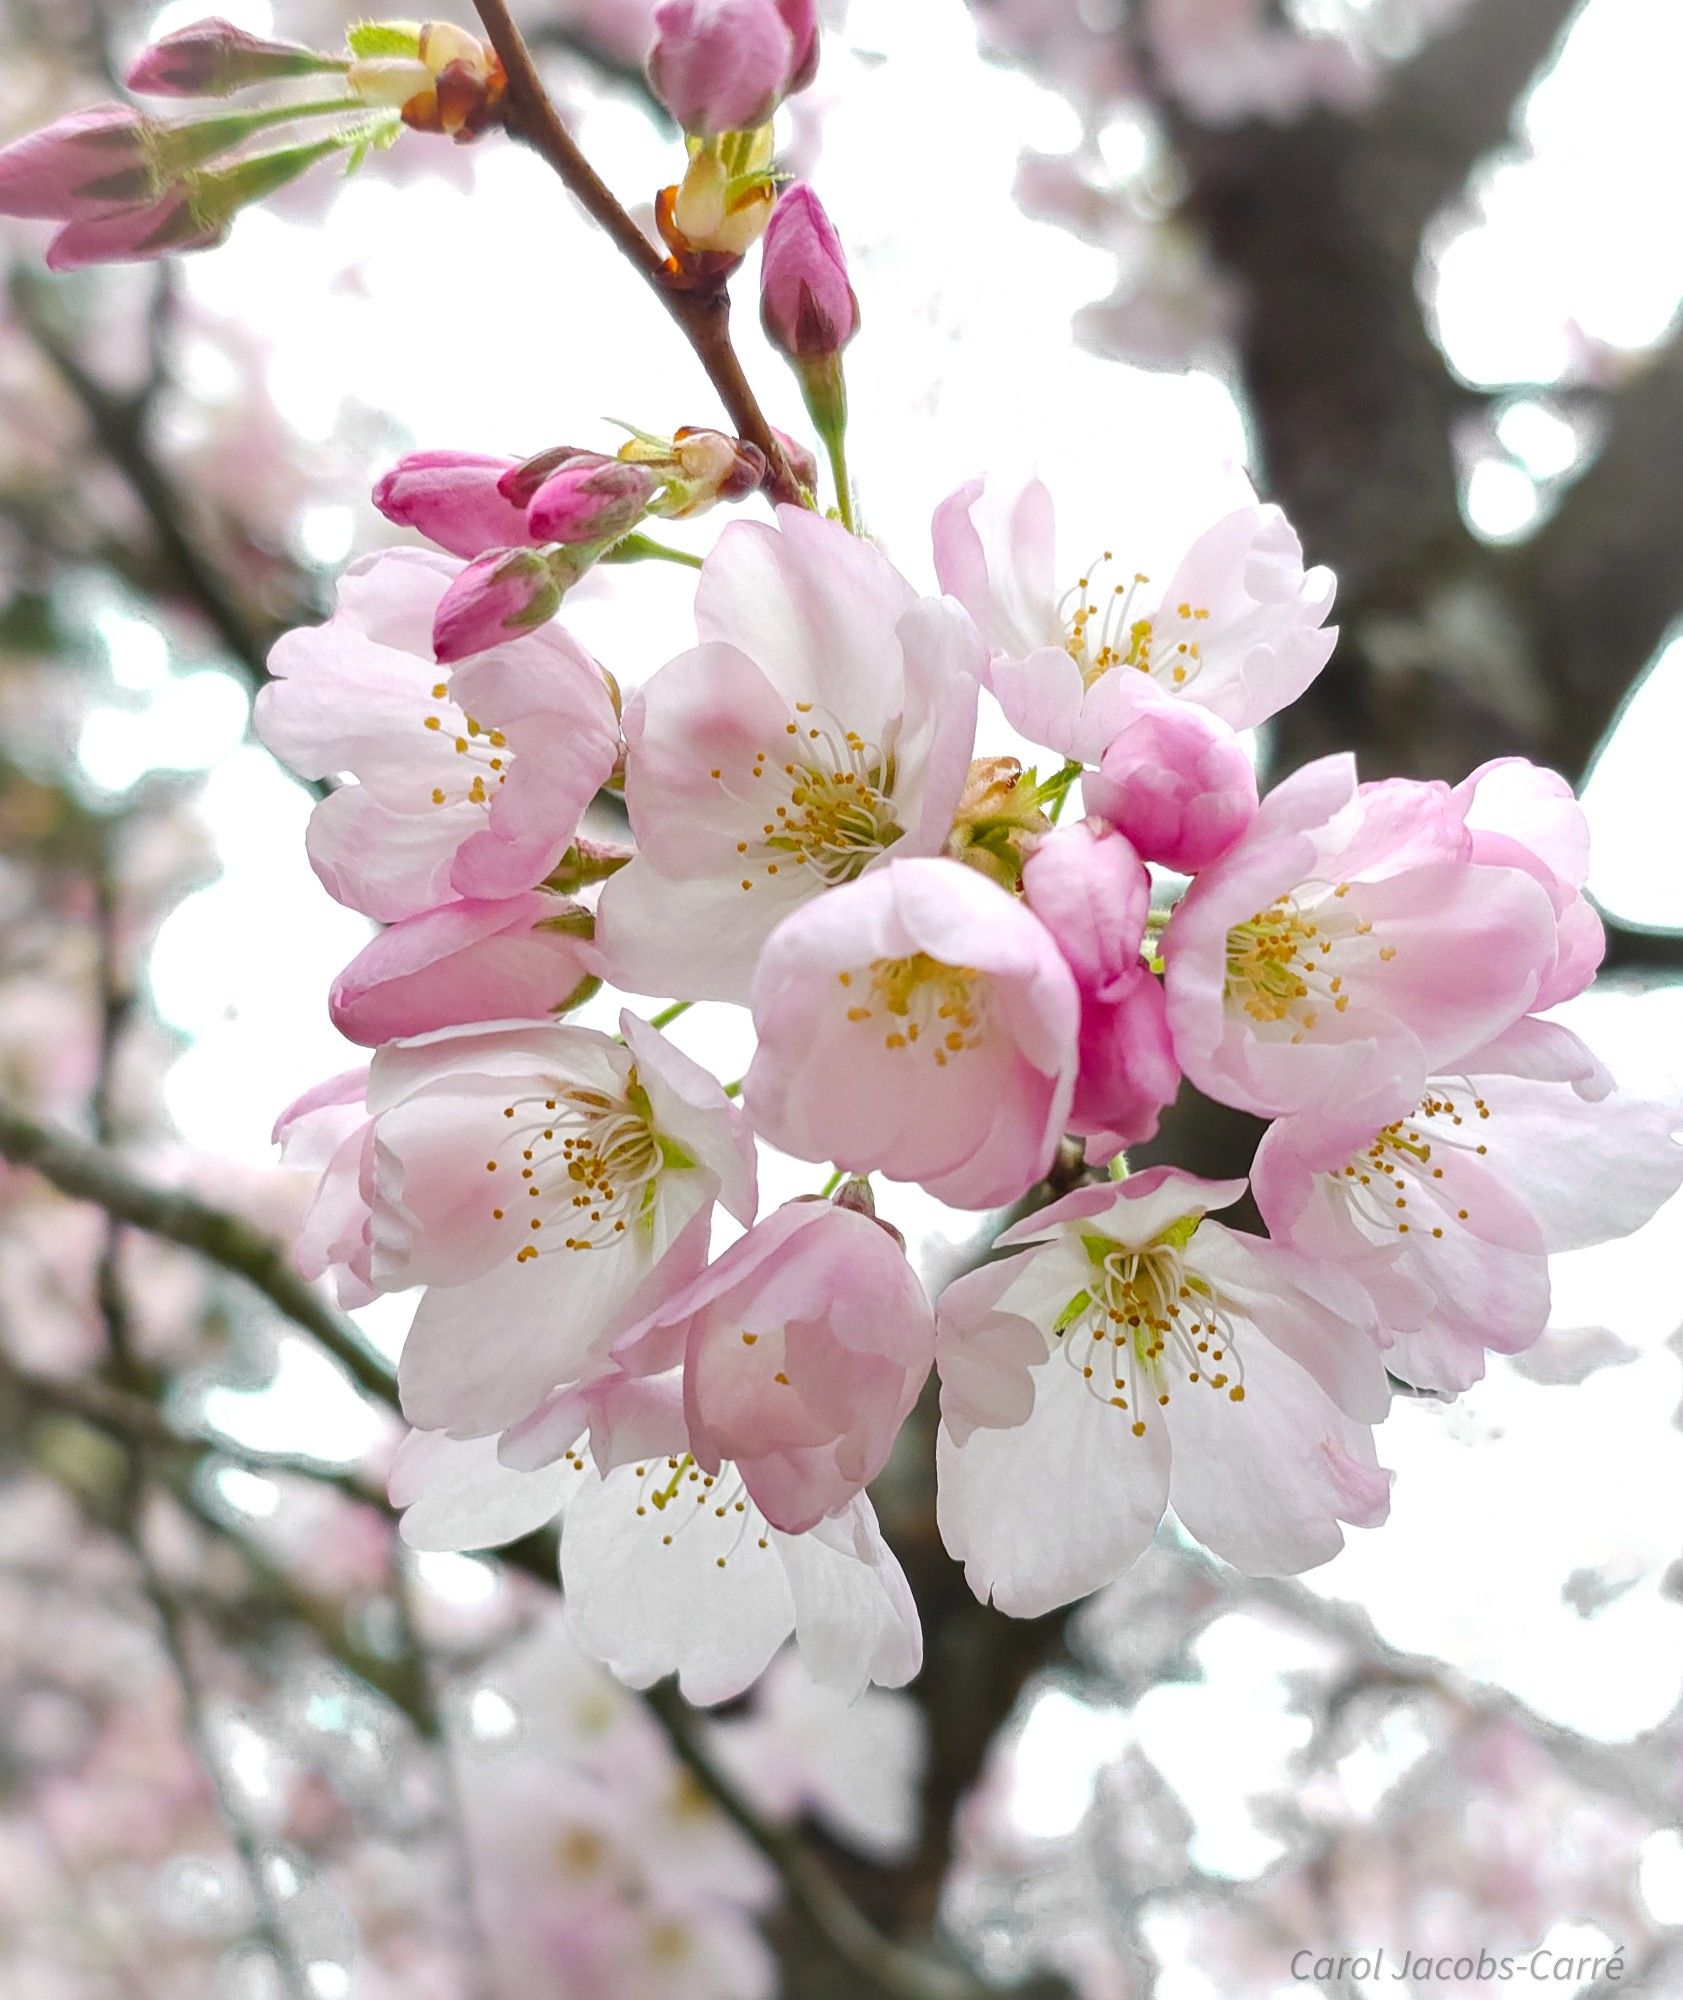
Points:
(1093, 893)
(1521, 816)
(1175, 779)
(920, 1022)
(452, 498)
(470, 785)
(519, 957)
(87, 164)
(825, 720)
(327, 1133)
(1135, 1357)
(1348, 947)
(1448, 1215)
(1238, 627)
(549, 1185)
(803, 1349)
(213, 58)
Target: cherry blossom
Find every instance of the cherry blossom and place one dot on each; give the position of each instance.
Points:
(825, 720)
(327, 1133)
(803, 1349)
(920, 1022)
(1348, 946)
(470, 785)
(1175, 779)
(1237, 626)
(1448, 1214)
(1136, 1357)
(546, 1184)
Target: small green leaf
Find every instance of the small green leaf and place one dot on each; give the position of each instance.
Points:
(369, 39)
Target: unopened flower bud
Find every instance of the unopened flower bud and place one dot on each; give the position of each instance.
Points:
(214, 58)
(504, 593)
(193, 213)
(591, 500)
(725, 65)
(520, 483)
(807, 306)
(454, 499)
(85, 164)
(1176, 780)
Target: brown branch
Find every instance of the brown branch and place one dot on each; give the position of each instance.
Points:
(92, 1173)
(702, 316)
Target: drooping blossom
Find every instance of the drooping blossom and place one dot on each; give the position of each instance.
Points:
(548, 1185)
(521, 957)
(1093, 893)
(920, 1022)
(1233, 622)
(1449, 1214)
(471, 784)
(670, 1569)
(1349, 947)
(825, 720)
(1175, 779)
(803, 1349)
(725, 65)
(1136, 1357)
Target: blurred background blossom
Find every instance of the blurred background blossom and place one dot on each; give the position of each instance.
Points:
(1418, 263)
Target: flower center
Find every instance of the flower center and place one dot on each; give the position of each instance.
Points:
(575, 1169)
(712, 1508)
(1105, 629)
(1289, 963)
(825, 802)
(923, 1003)
(1144, 1320)
(482, 753)
(1402, 1165)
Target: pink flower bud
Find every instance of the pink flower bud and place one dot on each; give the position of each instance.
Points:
(1177, 782)
(519, 484)
(454, 499)
(1092, 892)
(591, 500)
(726, 65)
(158, 228)
(86, 164)
(504, 593)
(214, 58)
(806, 303)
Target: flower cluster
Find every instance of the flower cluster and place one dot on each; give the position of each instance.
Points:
(948, 988)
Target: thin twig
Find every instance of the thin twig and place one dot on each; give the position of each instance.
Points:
(94, 1173)
(702, 316)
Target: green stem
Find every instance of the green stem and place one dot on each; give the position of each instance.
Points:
(832, 1184)
(835, 446)
(1056, 790)
(734, 1089)
(640, 548)
(668, 1015)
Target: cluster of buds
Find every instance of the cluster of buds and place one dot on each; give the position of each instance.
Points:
(530, 528)
(126, 186)
(722, 67)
